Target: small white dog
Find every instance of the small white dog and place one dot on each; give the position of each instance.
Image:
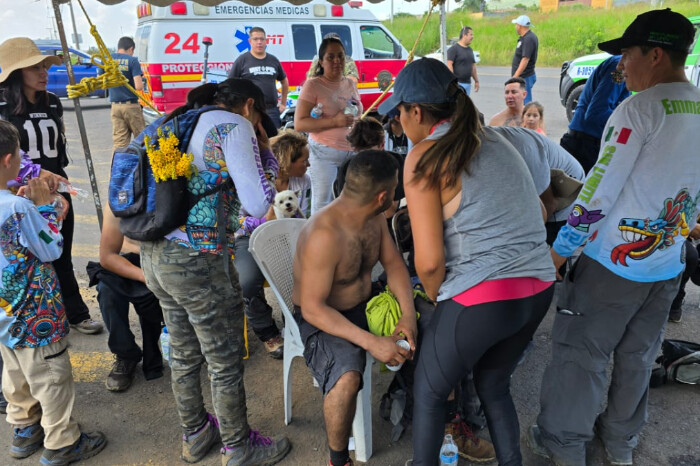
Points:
(286, 204)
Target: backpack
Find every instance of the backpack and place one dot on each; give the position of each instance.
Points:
(148, 210)
(679, 362)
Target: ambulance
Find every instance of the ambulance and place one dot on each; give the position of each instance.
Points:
(170, 44)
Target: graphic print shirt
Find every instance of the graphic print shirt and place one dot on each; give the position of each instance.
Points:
(32, 312)
(639, 200)
(223, 145)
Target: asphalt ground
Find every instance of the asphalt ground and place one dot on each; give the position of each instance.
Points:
(141, 424)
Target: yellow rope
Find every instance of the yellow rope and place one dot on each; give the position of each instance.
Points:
(112, 76)
(433, 4)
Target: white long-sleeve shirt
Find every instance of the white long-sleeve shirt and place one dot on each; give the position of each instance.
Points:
(639, 201)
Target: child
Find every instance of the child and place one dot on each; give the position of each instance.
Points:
(37, 377)
(533, 117)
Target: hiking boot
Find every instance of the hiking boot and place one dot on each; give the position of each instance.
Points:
(675, 315)
(533, 439)
(26, 440)
(196, 446)
(619, 458)
(87, 446)
(121, 375)
(257, 451)
(275, 347)
(471, 447)
(88, 327)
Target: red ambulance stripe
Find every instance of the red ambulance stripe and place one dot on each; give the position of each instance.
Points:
(624, 135)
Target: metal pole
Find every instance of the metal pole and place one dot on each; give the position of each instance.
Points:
(76, 38)
(79, 114)
(443, 32)
(392, 12)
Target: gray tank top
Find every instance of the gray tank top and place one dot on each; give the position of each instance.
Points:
(497, 231)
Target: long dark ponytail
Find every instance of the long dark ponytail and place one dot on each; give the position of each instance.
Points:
(445, 161)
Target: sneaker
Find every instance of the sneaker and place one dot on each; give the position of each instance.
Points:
(471, 447)
(675, 315)
(257, 451)
(275, 347)
(88, 327)
(121, 375)
(87, 446)
(196, 446)
(26, 440)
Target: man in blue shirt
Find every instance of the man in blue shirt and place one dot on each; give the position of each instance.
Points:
(127, 119)
(603, 92)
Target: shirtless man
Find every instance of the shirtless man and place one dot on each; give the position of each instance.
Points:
(120, 281)
(515, 94)
(335, 254)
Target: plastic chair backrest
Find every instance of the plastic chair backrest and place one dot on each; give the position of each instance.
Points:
(273, 245)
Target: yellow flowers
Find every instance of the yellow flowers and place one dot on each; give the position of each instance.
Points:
(167, 162)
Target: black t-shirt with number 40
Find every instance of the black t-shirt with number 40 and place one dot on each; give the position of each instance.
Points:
(41, 132)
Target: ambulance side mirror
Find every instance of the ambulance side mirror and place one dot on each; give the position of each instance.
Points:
(397, 50)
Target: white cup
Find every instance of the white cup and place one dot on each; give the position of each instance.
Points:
(403, 344)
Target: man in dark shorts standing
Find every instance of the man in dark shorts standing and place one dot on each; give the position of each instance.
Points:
(264, 70)
(335, 254)
(460, 60)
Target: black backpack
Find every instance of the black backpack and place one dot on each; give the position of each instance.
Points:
(679, 362)
(148, 210)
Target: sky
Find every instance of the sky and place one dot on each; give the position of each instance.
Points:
(34, 18)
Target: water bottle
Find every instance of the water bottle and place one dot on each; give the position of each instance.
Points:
(449, 453)
(317, 111)
(352, 108)
(165, 344)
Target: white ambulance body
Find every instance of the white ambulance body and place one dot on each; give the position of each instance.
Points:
(169, 43)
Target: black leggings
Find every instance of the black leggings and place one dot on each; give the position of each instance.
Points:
(487, 339)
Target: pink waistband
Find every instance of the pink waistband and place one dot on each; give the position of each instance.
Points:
(501, 290)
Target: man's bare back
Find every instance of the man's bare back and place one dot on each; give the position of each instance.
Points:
(357, 246)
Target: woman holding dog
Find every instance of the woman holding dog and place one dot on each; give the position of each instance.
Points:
(327, 144)
(292, 153)
(482, 257)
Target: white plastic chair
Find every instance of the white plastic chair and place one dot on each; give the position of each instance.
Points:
(272, 245)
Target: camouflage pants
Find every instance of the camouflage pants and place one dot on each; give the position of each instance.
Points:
(203, 310)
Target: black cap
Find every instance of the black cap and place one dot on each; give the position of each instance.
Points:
(657, 28)
(248, 89)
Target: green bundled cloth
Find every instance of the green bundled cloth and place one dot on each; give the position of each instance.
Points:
(383, 312)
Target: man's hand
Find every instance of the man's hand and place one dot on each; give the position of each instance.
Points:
(407, 328)
(37, 191)
(385, 349)
(52, 179)
(281, 107)
(476, 86)
(558, 262)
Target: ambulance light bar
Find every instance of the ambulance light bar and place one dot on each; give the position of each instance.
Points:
(178, 8)
(336, 10)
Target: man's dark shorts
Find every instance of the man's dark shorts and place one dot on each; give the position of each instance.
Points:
(329, 357)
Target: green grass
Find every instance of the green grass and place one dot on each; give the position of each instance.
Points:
(563, 35)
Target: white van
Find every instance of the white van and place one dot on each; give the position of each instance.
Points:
(169, 43)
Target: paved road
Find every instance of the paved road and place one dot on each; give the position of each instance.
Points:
(142, 426)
